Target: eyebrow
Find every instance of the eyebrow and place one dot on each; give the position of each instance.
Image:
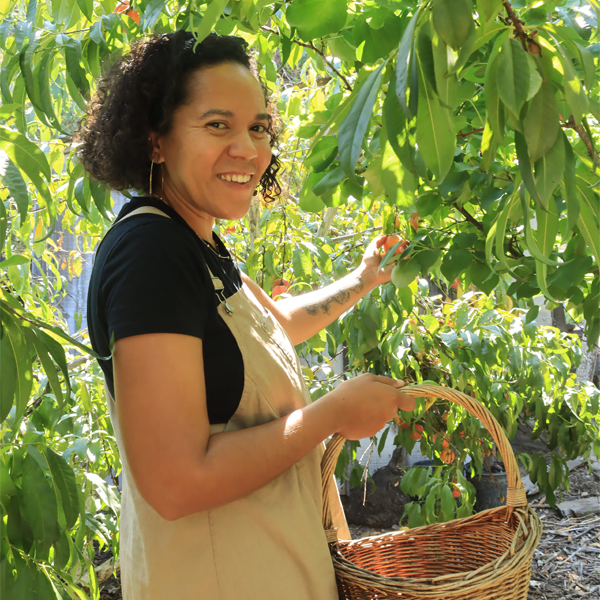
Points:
(227, 113)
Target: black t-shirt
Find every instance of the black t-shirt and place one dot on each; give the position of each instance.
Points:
(150, 276)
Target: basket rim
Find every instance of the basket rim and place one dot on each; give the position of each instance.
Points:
(505, 563)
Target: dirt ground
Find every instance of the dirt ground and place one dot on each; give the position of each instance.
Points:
(565, 565)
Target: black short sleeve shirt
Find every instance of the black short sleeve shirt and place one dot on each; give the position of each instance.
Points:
(150, 276)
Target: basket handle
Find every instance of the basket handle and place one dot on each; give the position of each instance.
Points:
(515, 493)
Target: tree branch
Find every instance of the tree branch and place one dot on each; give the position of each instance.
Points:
(517, 24)
(468, 216)
(311, 46)
(527, 41)
(464, 135)
(585, 138)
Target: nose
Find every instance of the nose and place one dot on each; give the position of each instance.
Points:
(243, 146)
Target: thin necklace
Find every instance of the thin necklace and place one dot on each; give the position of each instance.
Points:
(213, 250)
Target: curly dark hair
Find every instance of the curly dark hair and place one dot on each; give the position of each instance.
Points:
(136, 98)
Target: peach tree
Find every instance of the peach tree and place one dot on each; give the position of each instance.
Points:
(469, 127)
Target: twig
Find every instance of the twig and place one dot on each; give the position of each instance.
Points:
(431, 335)
(311, 46)
(469, 217)
(517, 24)
(72, 365)
(570, 124)
(464, 135)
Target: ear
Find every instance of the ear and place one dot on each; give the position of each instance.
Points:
(155, 143)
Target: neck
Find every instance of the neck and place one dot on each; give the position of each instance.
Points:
(201, 222)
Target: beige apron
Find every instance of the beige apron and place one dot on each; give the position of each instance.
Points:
(269, 545)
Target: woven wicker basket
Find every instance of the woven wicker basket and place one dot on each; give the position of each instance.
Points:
(483, 557)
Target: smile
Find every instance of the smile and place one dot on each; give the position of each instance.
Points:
(236, 178)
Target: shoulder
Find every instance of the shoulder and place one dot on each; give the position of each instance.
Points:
(150, 235)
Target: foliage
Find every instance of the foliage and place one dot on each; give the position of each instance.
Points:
(469, 128)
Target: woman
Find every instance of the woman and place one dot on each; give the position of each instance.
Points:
(219, 442)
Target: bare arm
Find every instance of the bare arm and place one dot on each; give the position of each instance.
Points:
(180, 468)
(305, 315)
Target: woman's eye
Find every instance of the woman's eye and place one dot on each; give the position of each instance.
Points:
(217, 125)
(260, 128)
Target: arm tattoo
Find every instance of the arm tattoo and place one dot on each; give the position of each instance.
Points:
(340, 296)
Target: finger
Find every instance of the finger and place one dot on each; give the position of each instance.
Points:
(379, 241)
(406, 402)
(397, 383)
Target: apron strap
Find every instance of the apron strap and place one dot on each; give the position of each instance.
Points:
(217, 283)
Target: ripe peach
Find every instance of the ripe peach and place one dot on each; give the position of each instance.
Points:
(417, 433)
(280, 286)
(447, 455)
(389, 241)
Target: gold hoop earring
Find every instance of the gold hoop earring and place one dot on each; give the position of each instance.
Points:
(150, 185)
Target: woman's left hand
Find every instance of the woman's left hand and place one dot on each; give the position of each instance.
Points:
(371, 260)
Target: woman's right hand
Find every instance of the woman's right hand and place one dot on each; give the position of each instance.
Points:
(364, 404)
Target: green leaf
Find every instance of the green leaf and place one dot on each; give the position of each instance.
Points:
(64, 481)
(525, 168)
(398, 183)
(403, 61)
(397, 128)
(15, 351)
(425, 53)
(24, 586)
(513, 75)
(3, 224)
(211, 15)
(574, 92)
(529, 238)
(435, 133)
(535, 79)
(39, 504)
(570, 186)
(453, 20)
(489, 8)
(353, 129)
(87, 8)
(8, 384)
(72, 53)
(301, 263)
(547, 228)
(17, 188)
(542, 123)
(25, 60)
(309, 201)
(448, 504)
(331, 180)
(455, 262)
(32, 161)
(322, 154)
(483, 277)
(588, 224)
(341, 48)
(48, 365)
(445, 81)
(405, 272)
(43, 75)
(500, 232)
(377, 42)
(549, 170)
(26, 154)
(315, 18)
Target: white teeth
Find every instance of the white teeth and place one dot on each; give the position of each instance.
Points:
(236, 178)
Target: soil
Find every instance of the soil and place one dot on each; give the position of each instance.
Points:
(565, 566)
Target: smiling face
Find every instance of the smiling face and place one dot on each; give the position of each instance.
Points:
(218, 147)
